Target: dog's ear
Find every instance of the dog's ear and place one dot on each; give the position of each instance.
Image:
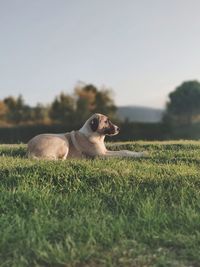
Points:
(94, 123)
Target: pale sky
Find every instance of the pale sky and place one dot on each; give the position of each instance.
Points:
(142, 49)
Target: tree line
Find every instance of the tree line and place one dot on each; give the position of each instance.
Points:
(183, 107)
(84, 101)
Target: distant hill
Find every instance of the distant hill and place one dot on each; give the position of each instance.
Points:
(140, 114)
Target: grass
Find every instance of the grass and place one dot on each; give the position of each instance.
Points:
(115, 212)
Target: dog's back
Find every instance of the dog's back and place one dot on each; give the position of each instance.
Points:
(48, 146)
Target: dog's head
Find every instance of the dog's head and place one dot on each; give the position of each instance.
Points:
(102, 125)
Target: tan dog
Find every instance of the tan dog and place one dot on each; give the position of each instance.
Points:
(87, 142)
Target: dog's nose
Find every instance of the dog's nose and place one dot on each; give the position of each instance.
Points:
(118, 129)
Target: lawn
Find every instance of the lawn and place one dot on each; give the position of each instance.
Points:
(113, 212)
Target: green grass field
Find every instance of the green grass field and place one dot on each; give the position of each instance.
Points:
(115, 212)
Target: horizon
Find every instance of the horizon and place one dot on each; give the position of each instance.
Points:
(141, 50)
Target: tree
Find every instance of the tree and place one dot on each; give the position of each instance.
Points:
(105, 103)
(62, 108)
(17, 111)
(85, 101)
(184, 104)
(90, 99)
(3, 111)
(40, 114)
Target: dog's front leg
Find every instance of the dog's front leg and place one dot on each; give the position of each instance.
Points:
(125, 154)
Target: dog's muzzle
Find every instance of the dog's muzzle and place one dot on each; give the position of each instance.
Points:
(112, 130)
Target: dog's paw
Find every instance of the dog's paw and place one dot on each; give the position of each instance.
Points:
(144, 154)
(136, 154)
(140, 154)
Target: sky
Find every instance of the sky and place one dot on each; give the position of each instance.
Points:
(141, 49)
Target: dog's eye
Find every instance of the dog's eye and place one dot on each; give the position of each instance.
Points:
(106, 121)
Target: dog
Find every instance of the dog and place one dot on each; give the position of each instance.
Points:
(88, 142)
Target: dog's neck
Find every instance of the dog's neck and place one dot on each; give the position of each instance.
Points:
(90, 146)
(93, 137)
